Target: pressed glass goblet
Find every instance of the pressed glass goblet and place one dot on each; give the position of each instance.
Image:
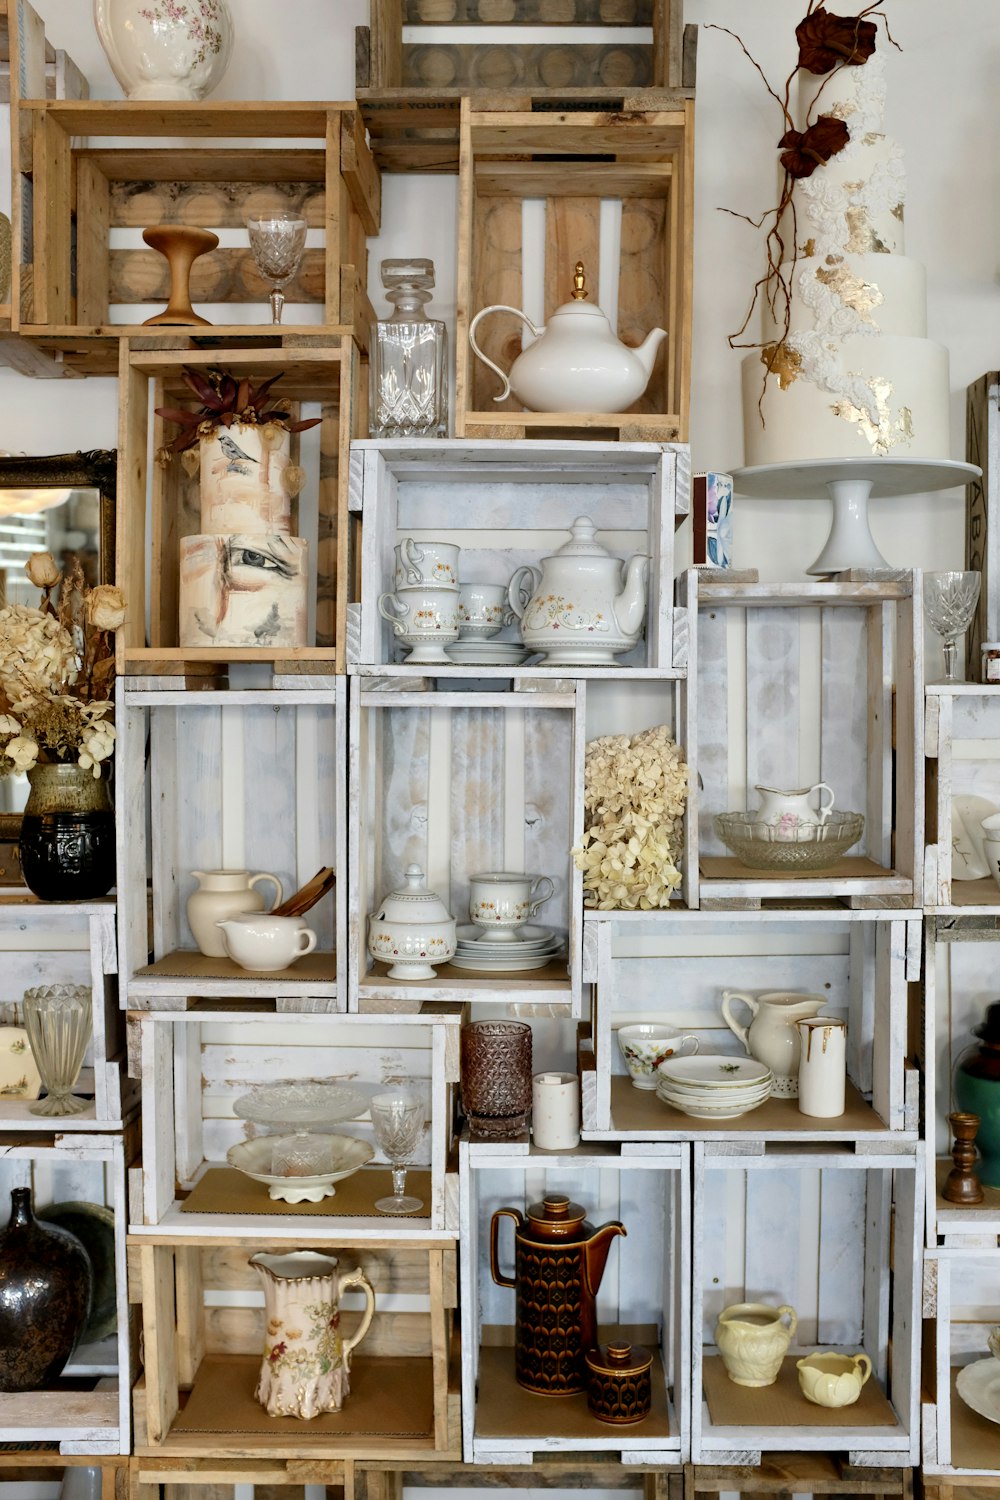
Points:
(398, 1118)
(950, 601)
(58, 1019)
(277, 243)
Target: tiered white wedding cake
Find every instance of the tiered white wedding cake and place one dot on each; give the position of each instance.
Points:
(856, 376)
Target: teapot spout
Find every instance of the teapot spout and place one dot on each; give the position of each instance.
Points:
(595, 1254)
(630, 606)
(646, 352)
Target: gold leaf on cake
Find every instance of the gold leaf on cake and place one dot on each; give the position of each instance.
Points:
(781, 361)
(897, 211)
(884, 435)
(873, 137)
(809, 248)
(862, 238)
(860, 295)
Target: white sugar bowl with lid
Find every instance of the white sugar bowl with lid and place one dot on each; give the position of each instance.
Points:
(589, 606)
(412, 929)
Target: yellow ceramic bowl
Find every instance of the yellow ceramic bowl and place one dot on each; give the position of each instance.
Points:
(833, 1379)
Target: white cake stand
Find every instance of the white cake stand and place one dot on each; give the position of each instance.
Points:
(850, 484)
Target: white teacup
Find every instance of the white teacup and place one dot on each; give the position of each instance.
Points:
(646, 1045)
(483, 610)
(432, 565)
(502, 901)
(424, 619)
(267, 943)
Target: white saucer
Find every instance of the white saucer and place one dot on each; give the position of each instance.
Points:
(471, 932)
(503, 965)
(717, 1072)
(487, 653)
(979, 1387)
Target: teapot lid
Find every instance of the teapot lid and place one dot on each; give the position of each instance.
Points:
(556, 1209)
(583, 542)
(618, 1357)
(413, 902)
(579, 306)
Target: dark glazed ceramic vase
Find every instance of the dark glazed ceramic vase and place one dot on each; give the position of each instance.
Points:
(45, 1284)
(67, 834)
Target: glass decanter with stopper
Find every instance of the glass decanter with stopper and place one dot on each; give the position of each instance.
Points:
(409, 363)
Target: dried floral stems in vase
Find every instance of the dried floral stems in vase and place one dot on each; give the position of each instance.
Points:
(635, 792)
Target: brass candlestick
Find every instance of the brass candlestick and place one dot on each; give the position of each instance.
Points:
(962, 1185)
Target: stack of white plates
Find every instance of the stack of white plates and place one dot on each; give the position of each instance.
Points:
(488, 653)
(532, 948)
(714, 1088)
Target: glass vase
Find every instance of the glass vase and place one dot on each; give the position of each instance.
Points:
(496, 1078)
(59, 1019)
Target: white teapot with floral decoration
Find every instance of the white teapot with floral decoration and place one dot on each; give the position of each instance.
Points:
(589, 606)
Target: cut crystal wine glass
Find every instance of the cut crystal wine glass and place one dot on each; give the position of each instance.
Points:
(398, 1118)
(58, 1019)
(950, 601)
(277, 243)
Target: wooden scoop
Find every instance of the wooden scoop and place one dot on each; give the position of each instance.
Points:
(307, 896)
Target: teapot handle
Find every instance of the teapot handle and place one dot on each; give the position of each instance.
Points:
(499, 307)
(522, 587)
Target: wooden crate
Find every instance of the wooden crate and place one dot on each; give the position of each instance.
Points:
(961, 1305)
(592, 1472)
(86, 1410)
(962, 743)
(41, 1464)
(233, 779)
(410, 82)
(323, 377)
(644, 1296)
(649, 966)
(76, 292)
(193, 1069)
(838, 1237)
(797, 1474)
(982, 525)
(833, 693)
(203, 1322)
(509, 505)
(459, 782)
(163, 1478)
(43, 942)
(585, 167)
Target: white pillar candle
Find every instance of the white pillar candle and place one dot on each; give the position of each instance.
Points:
(822, 1067)
(555, 1111)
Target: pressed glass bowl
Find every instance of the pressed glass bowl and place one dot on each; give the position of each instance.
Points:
(768, 846)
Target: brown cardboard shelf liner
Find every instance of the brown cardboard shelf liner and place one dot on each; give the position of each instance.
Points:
(975, 1441)
(783, 1404)
(640, 1109)
(223, 1190)
(315, 968)
(505, 1409)
(388, 1398)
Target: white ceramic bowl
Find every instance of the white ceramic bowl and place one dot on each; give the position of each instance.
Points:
(253, 1158)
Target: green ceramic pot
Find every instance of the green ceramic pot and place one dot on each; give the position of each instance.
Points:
(977, 1090)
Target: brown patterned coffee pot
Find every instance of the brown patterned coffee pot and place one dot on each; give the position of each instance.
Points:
(559, 1262)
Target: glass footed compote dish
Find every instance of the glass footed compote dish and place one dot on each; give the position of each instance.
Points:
(277, 243)
(58, 1019)
(300, 1108)
(950, 601)
(398, 1118)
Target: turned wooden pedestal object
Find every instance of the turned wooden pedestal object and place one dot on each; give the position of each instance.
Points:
(962, 1185)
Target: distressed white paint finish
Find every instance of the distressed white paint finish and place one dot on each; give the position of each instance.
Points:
(511, 504)
(966, 1307)
(963, 731)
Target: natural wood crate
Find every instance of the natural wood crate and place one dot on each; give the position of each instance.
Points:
(982, 524)
(833, 693)
(165, 1478)
(638, 166)
(74, 291)
(644, 1293)
(193, 1071)
(458, 783)
(86, 1410)
(962, 740)
(838, 1237)
(961, 1304)
(236, 779)
(323, 377)
(798, 1474)
(650, 966)
(40, 1464)
(410, 82)
(203, 1323)
(590, 1472)
(508, 505)
(45, 942)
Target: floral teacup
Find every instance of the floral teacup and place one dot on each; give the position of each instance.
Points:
(426, 564)
(423, 618)
(483, 610)
(645, 1046)
(502, 901)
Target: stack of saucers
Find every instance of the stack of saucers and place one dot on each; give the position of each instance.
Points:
(532, 948)
(488, 653)
(714, 1088)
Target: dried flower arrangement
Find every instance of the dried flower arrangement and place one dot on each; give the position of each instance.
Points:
(827, 43)
(635, 792)
(57, 671)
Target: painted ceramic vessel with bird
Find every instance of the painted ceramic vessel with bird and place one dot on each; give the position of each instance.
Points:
(243, 468)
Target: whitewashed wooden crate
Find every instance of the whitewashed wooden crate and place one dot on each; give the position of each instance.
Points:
(838, 1237)
(194, 1067)
(962, 1305)
(799, 683)
(510, 504)
(673, 968)
(87, 1409)
(244, 778)
(50, 943)
(456, 783)
(962, 742)
(644, 1294)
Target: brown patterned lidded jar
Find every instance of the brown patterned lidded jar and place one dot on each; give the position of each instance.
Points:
(496, 1078)
(619, 1382)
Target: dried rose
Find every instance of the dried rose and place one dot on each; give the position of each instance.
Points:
(106, 607)
(42, 570)
(805, 150)
(827, 41)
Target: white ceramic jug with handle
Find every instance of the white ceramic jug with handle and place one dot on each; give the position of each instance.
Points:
(790, 811)
(222, 894)
(771, 1036)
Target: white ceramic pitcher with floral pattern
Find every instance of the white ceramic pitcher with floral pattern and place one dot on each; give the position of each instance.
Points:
(306, 1364)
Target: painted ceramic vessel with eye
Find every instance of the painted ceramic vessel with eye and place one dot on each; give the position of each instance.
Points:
(247, 589)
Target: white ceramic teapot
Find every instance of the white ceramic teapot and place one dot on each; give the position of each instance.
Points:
(576, 362)
(589, 606)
